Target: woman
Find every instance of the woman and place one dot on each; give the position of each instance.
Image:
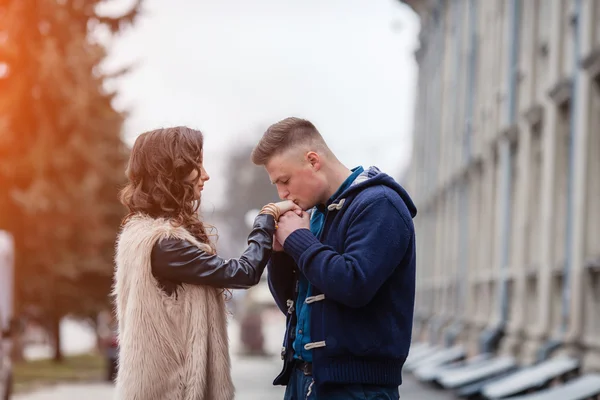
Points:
(169, 283)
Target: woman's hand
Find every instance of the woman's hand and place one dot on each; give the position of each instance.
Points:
(288, 205)
(284, 207)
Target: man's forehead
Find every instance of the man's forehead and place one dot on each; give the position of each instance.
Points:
(281, 165)
(277, 169)
(285, 160)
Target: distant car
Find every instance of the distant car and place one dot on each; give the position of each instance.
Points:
(6, 370)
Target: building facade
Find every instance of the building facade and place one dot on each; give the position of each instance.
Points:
(506, 176)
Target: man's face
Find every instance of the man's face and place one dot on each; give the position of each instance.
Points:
(296, 175)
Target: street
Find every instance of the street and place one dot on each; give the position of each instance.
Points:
(252, 383)
(252, 376)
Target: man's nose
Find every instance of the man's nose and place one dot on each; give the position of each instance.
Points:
(283, 194)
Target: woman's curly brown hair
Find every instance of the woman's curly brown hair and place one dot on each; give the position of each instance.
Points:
(159, 168)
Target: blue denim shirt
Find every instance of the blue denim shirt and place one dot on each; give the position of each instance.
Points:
(317, 222)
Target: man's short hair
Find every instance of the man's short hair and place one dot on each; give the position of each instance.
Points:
(284, 135)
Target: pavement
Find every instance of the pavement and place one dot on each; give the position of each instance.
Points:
(246, 388)
(252, 376)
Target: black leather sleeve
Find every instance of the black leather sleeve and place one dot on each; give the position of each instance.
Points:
(179, 261)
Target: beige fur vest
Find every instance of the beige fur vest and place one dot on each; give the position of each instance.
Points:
(171, 347)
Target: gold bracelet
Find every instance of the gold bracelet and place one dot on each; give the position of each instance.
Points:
(276, 211)
(271, 209)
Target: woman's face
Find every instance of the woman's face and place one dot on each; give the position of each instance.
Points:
(203, 178)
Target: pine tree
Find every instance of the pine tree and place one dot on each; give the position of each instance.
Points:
(61, 155)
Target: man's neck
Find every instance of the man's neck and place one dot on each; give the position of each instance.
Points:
(335, 177)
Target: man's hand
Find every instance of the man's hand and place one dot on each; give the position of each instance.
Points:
(285, 206)
(276, 245)
(290, 222)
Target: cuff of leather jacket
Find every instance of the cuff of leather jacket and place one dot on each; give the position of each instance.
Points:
(298, 242)
(266, 222)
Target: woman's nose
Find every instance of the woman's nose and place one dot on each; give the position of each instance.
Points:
(205, 175)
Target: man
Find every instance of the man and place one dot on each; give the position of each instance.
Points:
(345, 275)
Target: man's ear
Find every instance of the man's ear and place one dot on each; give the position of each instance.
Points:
(313, 158)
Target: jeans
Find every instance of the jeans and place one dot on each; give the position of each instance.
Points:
(301, 387)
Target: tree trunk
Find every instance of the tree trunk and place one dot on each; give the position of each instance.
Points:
(17, 348)
(55, 334)
(17, 337)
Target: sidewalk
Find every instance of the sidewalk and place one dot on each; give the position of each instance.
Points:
(414, 390)
(252, 376)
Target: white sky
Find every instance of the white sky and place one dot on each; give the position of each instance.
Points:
(232, 67)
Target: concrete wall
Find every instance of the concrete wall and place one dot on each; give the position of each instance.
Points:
(506, 174)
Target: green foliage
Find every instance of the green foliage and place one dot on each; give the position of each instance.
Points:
(62, 158)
